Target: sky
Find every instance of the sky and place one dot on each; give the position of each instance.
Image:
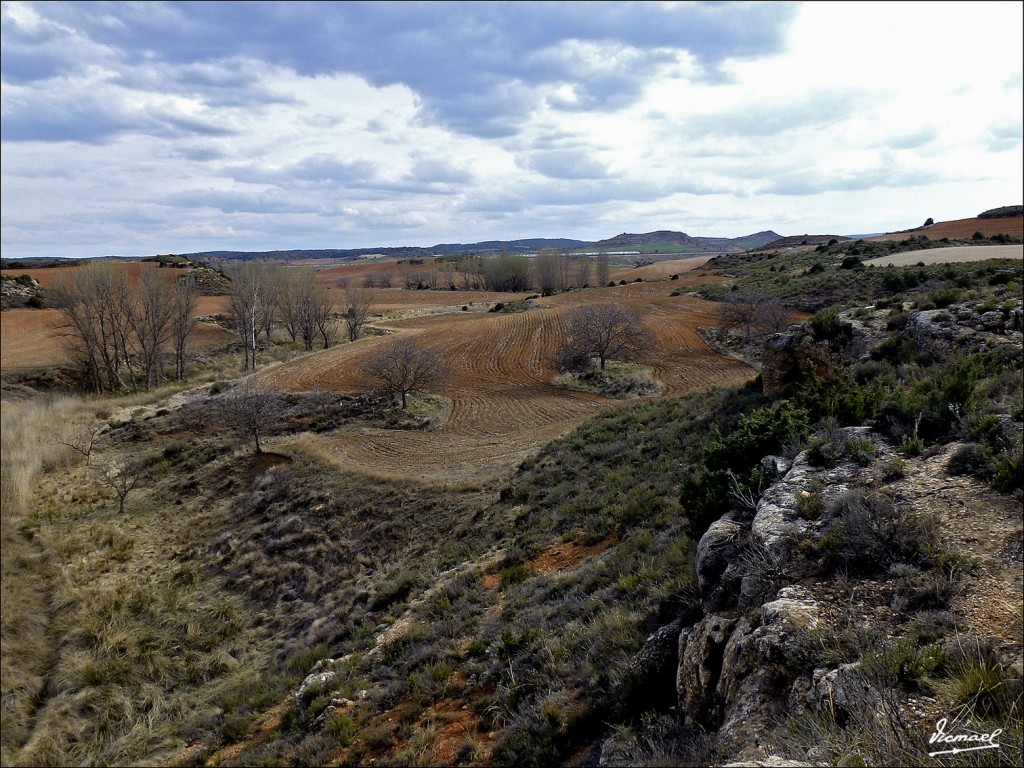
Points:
(142, 128)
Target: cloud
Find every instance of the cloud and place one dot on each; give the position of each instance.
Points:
(1004, 135)
(235, 201)
(480, 68)
(771, 118)
(56, 114)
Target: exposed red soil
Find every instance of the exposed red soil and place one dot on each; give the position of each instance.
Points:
(569, 554)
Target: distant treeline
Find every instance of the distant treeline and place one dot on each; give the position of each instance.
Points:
(39, 263)
(999, 213)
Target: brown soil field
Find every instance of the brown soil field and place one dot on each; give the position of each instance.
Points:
(660, 270)
(31, 340)
(947, 255)
(51, 276)
(963, 229)
(503, 406)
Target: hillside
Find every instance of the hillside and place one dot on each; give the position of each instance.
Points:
(808, 555)
(964, 229)
(681, 242)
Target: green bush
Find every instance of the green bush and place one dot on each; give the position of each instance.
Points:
(973, 460)
(826, 326)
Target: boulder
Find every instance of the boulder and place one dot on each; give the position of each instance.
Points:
(785, 356)
(717, 561)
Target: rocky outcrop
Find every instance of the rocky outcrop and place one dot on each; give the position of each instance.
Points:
(785, 356)
(738, 666)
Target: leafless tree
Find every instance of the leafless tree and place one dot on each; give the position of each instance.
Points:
(149, 314)
(603, 269)
(606, 332)
(288, 301)
(771, 316)
(405, 271)
(81, 438)
(508, 272)
(358, 302)
(323, 315)
(565, 270)
(548, 269)
(752, 313)
(249, 409)
(95, 301)
(401, 367)
(385, 278)
(250, 285)
(183, 321)
(122, 477)
(583, 265)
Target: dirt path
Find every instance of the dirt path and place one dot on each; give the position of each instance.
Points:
(984, 526)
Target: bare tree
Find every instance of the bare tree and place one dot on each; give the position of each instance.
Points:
(385, 278)
(149, 314)
(770, 316)
(358, 301)
(401, 367)
(249, 409)
(508, 272)
(603, 269)
(548, 269)
(249, 288)
(405, 274)
(122, 477)
(81, 438)
(752, 313)
(323, 315)
(94, 302)
(565, 270)
(607, 332)
(288, 301)
(583, 265)
(183, 321)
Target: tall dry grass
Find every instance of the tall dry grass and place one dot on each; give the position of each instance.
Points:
(27, 449)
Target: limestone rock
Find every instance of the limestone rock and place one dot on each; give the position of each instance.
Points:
(716, 564)
(700, 664)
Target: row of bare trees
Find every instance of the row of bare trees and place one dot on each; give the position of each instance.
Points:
(550, 271)
(120, 331)
(265, 297)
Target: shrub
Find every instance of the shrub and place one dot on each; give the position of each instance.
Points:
(342, 728)
(826, 326)
(944, 298)
(867, 534)
(973, 460)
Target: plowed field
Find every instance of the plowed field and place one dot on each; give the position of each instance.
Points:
(503, 406)
(964, 229)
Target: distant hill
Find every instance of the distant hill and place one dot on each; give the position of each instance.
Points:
(794, 240)
(682, 242)
(528, 245)
(662, 241)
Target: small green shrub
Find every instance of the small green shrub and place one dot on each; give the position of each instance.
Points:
(516, 574)
(973, 460)
(342, 728)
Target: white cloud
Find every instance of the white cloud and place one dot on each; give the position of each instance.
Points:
(208, 126)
